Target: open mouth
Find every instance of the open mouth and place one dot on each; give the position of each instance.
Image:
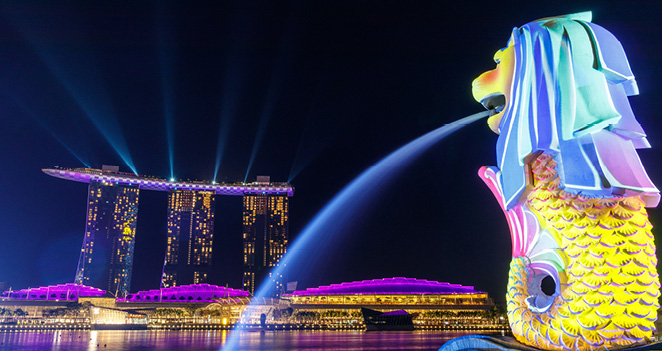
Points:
(494, 102)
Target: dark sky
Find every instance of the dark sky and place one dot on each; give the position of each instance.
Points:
(317, 91)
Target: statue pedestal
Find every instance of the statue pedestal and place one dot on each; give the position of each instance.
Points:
(507, 343)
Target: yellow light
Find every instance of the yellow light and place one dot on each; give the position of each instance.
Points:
(225, 321)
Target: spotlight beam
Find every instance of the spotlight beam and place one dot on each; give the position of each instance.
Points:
(167, 86)
(282, 64)
(233, 84)
(309, 146)
(76, 72)
(43, 124)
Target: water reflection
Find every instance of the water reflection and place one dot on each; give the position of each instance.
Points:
(117, 340)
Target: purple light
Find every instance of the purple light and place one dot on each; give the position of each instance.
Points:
(186, 293)
(68, 292)
(396, 313)
(147, 183)
(396, 285)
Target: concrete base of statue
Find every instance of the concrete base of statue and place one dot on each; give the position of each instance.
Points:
(507, 343)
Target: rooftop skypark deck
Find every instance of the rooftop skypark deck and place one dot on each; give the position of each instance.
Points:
(86, 175)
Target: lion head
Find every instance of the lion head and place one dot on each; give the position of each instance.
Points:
(560, 87)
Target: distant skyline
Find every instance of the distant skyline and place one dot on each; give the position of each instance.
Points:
(307, 92)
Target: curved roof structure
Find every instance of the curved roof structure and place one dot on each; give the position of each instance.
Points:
(86, 175)
(186, 293)
(395, 286)
(68, 292)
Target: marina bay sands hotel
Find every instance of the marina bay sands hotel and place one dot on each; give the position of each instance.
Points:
(106, 257)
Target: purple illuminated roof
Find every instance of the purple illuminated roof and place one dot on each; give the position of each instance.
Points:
(67, 292)
(396, 313)
(85, 175)
(186, 293)
(389, 286)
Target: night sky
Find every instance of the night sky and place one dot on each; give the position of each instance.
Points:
(316, 91)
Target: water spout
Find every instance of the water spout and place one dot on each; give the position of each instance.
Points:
(341, 211)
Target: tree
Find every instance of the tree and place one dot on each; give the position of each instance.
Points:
(73, 309)
(191, 309)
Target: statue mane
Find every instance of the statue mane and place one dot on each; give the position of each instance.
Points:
(569, 94)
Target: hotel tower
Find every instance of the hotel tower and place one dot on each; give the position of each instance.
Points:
(106, 258)
(190, 237)
(265, 218)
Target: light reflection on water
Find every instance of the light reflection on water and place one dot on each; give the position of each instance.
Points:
(118, 340)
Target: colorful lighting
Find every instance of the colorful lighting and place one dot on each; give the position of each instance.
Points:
(198, 293)
(396, 285)
(572, 188)
(61, 292)
(85, 175)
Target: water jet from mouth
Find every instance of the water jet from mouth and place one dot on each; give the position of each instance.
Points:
(348, 205)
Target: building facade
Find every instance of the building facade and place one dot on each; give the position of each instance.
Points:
(190, 236)
(265, 238)
(431, 303)
(106, 258)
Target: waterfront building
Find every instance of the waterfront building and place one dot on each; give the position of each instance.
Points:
(265, 237)
(186, 294)
(432, 305)
(49, 304)
(189, 239)
(106, 258)
(62, 292)
(78, 306)
(215, 305)
(428, 301)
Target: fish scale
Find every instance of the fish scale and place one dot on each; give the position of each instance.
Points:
(610, 299)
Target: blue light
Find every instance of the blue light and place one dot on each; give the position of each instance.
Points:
(167, 72)
(231, 87)
(348, 205)
(261, 128)
(238, 49)
(85, 84)
(277, 78)
(43, 124)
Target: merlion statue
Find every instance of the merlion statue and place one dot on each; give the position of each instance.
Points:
(583, 274)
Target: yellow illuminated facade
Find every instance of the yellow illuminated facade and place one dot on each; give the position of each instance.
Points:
(431, 304)
(265, 237)
(400, 300)
(190, 237)
(106, 259)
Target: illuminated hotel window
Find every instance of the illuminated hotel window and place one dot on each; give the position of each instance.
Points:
(112, 214)
(263, 214)
(189, 212)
